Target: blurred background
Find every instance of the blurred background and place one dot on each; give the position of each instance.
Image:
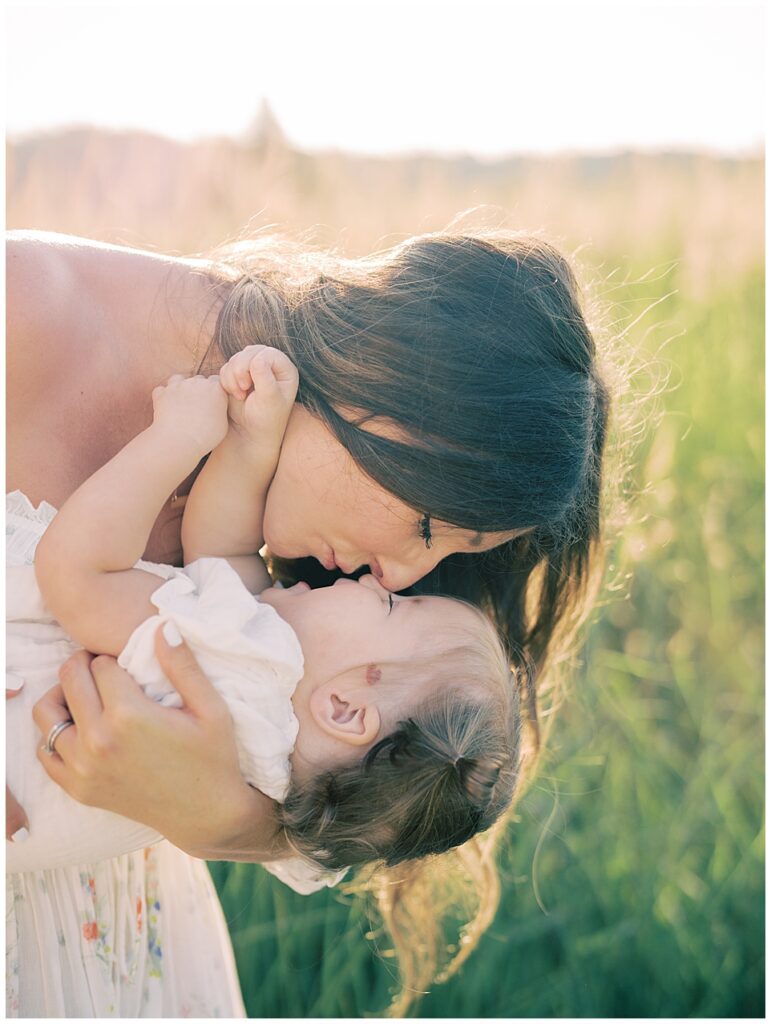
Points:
(632, 136)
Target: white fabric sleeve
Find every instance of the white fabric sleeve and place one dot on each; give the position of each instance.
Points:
(251, 656)
(254, 660)
(302, 876)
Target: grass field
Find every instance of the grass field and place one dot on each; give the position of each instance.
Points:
(634, 876)
(634, 871)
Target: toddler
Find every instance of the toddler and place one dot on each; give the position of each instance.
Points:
(386, 727)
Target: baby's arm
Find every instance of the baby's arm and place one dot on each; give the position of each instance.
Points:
(83, 561)
(224, 511)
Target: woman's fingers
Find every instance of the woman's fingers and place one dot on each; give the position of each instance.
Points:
(114, 686)
(51, 709)
(81, 696)
(16, 823)
(175, 770)
(183, 672)
(74, 697)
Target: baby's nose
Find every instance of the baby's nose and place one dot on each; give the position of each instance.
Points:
(371, 583)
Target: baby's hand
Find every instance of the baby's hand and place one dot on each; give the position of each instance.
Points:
(192, 409)
(261, 383)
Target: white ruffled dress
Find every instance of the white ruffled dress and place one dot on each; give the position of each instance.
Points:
(104, 918)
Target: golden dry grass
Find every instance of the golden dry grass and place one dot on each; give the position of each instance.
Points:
(630, 209)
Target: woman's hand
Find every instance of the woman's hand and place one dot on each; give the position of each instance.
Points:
(193, 410)
(175, 770)
(261, 383)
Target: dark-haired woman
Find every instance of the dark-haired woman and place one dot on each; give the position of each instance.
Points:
(448, 434)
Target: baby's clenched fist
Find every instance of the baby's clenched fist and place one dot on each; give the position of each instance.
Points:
(261, 383)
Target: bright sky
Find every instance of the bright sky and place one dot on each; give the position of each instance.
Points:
(371, 76)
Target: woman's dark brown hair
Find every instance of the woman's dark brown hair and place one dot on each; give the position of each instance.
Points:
(476, 347)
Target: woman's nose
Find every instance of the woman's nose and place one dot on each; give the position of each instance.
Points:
(398, 577)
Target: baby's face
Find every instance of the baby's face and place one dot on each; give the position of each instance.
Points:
(368, 661)
(358, 622)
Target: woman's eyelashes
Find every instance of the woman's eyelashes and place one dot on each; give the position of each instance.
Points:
(424, 528)
(390, 603)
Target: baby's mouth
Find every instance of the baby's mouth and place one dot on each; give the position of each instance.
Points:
(301, 587)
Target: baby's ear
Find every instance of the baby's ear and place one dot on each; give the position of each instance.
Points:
(346, 712)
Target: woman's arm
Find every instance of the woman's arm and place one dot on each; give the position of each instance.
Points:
(83, 561)
(174, 770)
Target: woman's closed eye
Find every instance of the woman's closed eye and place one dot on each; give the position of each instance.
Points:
(390, 603)
(424, 528)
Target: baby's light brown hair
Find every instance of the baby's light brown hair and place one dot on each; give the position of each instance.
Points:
(445, 772)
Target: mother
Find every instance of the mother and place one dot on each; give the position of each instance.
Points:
(449, 433)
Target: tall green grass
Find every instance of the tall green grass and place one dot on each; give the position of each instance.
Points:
(633, 877)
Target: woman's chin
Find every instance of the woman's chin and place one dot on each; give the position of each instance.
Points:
(278, 545)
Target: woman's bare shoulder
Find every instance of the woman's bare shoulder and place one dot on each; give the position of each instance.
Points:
(69, 297)
(56, 287)
(39, 275)
(35, 251)
(42, 281)
(52, 276)
(91, 329)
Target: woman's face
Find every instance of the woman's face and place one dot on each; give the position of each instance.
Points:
(320, 503)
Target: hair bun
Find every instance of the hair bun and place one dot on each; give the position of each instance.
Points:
(478, 778)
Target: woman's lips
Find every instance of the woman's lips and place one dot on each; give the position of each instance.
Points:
(374, 565)
(330, 563)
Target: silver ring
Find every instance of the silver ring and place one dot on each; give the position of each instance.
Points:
(53, 734)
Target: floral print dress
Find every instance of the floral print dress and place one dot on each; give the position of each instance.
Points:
(140, 935)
